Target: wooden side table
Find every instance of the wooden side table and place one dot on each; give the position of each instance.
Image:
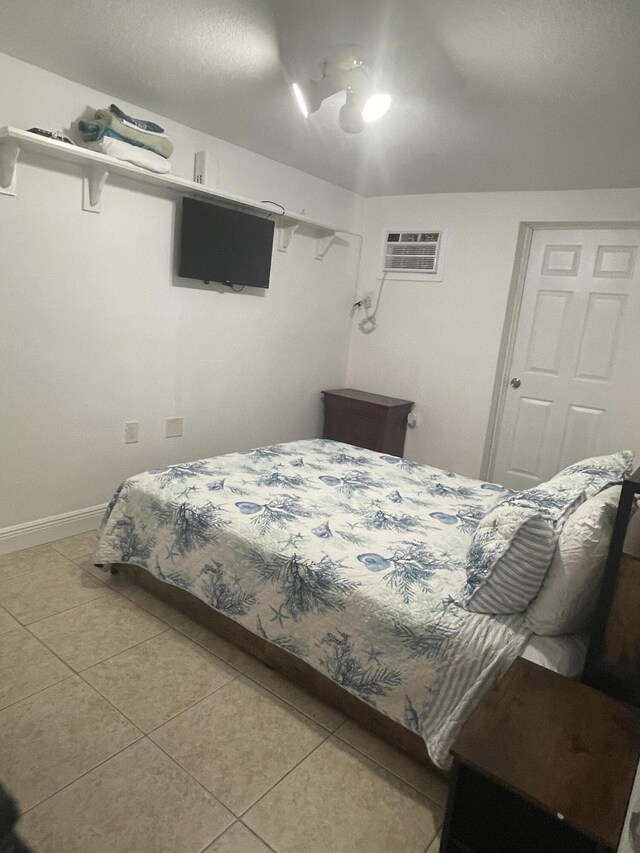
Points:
(543, 765)
(366, 420)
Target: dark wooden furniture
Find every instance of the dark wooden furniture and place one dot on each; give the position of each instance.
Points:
(366, 420)
(543, 765)
(613, 657)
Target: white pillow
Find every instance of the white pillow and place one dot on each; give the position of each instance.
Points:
(568, 596)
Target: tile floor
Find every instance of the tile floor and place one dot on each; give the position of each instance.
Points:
(126, 726)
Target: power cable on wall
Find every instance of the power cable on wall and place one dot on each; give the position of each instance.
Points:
(369, 322)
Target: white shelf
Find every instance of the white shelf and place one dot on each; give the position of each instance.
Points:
(97, 168)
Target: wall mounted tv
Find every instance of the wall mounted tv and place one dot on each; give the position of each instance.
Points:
(223, 245)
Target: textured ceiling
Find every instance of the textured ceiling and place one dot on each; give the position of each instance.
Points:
(488, 94)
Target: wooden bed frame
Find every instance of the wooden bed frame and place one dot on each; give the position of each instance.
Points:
(613, 658)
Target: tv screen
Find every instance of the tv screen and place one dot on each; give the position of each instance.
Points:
(223, 245)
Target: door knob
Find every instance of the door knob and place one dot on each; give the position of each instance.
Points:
(515, 382)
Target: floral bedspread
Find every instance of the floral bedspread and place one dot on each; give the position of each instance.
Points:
(349, 559)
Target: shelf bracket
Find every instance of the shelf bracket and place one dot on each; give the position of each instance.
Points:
(9, 151)
(92, 186)
(323, 244)
(286, 232)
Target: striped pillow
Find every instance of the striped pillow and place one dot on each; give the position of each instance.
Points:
(513, 546)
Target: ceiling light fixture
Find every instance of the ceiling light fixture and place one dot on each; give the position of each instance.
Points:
(344, 70)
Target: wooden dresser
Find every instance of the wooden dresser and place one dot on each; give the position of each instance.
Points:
(366, 420)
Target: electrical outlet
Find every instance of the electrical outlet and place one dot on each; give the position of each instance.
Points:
(131, 432)
(173, 427)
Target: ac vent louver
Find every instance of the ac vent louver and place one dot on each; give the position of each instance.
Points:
(412, 251)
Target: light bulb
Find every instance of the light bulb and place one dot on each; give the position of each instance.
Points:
(375, 107)
(300, 99)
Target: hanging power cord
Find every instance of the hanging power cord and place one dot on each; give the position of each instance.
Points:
(369, 322)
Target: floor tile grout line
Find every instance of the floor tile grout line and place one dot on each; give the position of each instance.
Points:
(237, 820)
(259, 837)
(239, 816)
(384, 767)
(57, 613)
(25, 571)
(84, 773)
(177, 628)
(291, 704)
(170, 624)
(39, 690)
(204, 787)
(76, 671)
(193, 704)
(202, 645)
(390, 772)
(79, 675)
(208, 844)
(226, 684)
(78, 556)
(241, 671)
(155, 728)
(297, 764)
(82, 604)
(168, 627)
(93, 687)
(104, 660)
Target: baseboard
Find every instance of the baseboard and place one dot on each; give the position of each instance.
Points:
(44, 530)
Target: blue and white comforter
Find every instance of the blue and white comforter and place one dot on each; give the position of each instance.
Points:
(349, 559)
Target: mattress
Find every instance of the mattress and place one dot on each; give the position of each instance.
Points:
(349, 559)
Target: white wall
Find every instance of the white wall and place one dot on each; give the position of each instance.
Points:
(94, 332)
(438, 343)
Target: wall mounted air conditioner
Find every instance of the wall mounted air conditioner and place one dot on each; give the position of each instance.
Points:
(416, 255)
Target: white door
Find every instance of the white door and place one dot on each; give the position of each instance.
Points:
(574, 386)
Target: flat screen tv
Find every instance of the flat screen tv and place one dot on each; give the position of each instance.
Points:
(223, 245)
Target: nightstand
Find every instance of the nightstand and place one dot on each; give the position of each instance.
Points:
(366, 420)
(543, 765)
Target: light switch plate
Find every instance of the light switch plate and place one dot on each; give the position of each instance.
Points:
(131, 432)
(173, 427)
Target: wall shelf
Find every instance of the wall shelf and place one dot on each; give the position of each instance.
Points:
(97, 168)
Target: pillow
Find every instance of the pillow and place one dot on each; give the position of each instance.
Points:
(513, 545)
(603, 471)
(567, 600)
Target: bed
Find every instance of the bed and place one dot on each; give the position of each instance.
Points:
(338, 565)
